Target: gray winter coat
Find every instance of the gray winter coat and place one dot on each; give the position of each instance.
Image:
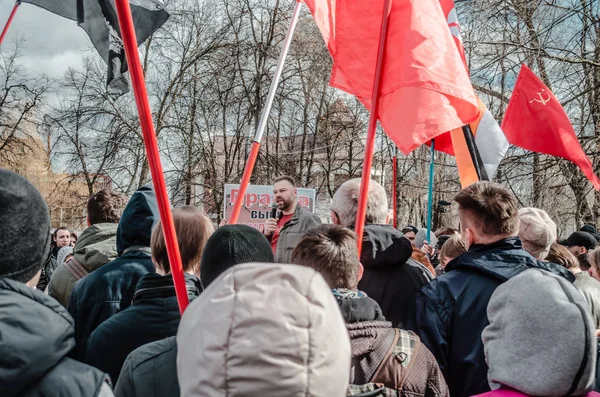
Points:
(293, 230)
(150, 371)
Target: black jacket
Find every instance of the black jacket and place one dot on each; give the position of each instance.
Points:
(48, 269)
(109, 289)
(451, 312)
(150, 371)
(36, 334)
(391, 277)
(154, 315)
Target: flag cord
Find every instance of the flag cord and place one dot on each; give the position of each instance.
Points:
(370, 142)
(430, 193)
(151, 144)
(10, 18)
(237, 206)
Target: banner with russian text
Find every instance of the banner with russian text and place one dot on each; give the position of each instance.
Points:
(256, 208)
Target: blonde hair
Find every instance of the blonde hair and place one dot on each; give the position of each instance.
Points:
(594, 258)
(452, 248)
(561, 255)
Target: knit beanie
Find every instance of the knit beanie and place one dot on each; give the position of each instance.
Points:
(541, 340)
(421, 237)
(231, 245)
(537, 232)
(25, 240)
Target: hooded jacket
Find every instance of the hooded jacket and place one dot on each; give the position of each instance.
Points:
(450, 312)
(110, 289)
(371, 338)
(96, 246)
(541, 339)
(390, 276)
(153, 315)
(36, 336)
(264, 330)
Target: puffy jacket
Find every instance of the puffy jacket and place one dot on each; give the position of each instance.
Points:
(153, 315)
(96, 246)
(451, 312)
(36, 334)
(292, 232)
(267, 330)
(391, 277)
(371, 338)
(109, 290)
(150, 371)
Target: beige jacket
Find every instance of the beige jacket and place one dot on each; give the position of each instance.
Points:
(268, 330)
(96, 246)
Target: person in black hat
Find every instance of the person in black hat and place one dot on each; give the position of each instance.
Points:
(591, 229)
(151, 370)
(410, 232)
(37, 332)
(580, 243)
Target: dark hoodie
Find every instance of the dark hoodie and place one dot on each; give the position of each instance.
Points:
(110, 289)
(36, 336)
(391, 277)
(451, 312)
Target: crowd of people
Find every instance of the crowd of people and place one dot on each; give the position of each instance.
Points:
(499, 307)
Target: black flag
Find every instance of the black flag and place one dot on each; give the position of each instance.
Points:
(99, 19)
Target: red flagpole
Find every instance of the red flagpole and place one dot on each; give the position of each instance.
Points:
(395, 187)
(10, 18)
(141, 98)
(370, 143)
(237, 205)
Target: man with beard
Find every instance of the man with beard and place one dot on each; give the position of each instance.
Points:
(292, 221)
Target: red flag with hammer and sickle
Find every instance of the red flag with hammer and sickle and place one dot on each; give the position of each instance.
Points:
(536, 121)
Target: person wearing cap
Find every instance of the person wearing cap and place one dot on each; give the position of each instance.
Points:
(264, 330)
(410, 232)
(537, 232)
(540, 340)
(36, 332)
(580, 243)
(154, 313)
(151, 370)
(591, 229)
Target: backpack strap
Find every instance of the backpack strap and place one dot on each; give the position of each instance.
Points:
(76, 269)
(406, 346)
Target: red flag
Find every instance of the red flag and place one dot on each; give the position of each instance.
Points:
(536, 121)
(425, 88)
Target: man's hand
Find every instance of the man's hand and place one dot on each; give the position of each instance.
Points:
(270, 226)
(428, 249)
(222, 223)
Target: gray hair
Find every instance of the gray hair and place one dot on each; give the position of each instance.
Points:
(345, 203)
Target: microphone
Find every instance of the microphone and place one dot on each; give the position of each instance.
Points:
(274, 210)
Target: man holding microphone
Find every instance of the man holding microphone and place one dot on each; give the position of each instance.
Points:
(290, 220)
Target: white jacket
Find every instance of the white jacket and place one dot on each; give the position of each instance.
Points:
(264, 330)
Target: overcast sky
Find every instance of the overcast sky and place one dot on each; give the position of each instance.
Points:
(52, 44)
